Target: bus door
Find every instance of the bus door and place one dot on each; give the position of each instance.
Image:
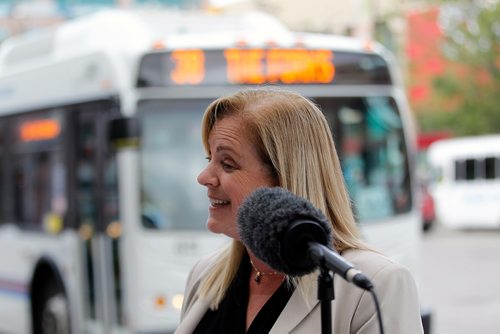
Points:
(95, 213)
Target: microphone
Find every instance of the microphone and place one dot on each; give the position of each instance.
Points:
(291, 235)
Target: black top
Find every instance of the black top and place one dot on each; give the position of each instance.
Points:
(230, 317)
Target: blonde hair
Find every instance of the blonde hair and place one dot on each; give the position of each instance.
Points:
(293, 138)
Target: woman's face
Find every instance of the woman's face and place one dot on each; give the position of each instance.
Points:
(233, 172)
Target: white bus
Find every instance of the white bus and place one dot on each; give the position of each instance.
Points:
(466, 188)
(101, 216)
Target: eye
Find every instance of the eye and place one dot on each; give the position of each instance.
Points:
(227, 166)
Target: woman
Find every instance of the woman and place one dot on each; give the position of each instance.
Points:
(265, 138)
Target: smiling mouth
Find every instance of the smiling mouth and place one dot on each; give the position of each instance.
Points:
(218, 202)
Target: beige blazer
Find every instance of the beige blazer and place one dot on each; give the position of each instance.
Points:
(353, 310)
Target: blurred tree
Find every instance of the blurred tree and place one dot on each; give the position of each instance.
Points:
(467, 93)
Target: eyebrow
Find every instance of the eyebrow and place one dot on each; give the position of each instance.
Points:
(225, 148)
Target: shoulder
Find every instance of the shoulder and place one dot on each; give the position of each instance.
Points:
(203, 266)
(375, 265)
(199, 271)
(396, 291)
(388, 276)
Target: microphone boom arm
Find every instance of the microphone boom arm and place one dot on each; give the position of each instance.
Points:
(325, 257)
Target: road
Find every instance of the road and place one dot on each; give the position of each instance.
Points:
(461, 280)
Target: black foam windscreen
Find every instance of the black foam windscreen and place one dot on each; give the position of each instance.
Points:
(276, 225)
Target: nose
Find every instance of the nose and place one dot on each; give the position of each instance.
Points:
(207, 177)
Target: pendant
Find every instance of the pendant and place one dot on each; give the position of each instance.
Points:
(257, 277)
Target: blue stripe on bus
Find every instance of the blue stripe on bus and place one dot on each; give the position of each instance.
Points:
(14, 294)
(13, 289)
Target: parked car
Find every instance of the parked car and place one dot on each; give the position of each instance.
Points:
(427, 208)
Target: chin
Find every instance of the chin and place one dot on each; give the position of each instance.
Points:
(216, 228)
(212, 227)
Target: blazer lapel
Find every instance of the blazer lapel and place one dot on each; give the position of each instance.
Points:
(193, 316)
(294, 312)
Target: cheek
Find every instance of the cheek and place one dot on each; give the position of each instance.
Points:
(238, 198)
(245, 186)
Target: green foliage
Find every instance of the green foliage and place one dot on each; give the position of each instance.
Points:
(471, 87)
(477, 112)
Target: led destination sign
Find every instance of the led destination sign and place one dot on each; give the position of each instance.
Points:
(37, 130)
(260, 66)
(279, 66)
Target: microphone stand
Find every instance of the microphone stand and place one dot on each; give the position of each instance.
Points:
(325, 295)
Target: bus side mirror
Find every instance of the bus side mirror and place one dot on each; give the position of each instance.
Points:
(124, 132)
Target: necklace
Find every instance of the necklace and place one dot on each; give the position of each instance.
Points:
(259, 274)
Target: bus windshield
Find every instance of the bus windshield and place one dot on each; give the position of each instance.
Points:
(172, 155)
(367, 131)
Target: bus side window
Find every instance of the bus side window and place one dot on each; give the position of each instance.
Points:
(85, 172)
(39, 191)
(497, 167)
(37, 171)
(372, 152)
(489, 166)
(459, 170)
(95, 167)
(2, 181)
(28, 190)
(470, 169)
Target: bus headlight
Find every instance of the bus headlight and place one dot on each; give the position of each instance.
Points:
(177, 301)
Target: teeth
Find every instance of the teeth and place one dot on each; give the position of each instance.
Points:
(218, 202)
